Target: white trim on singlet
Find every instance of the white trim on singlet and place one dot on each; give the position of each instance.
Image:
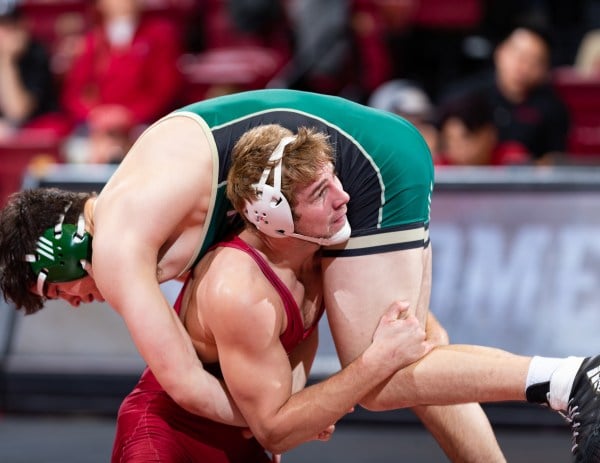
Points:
(334, 127)
(214, 182)
(393, 238)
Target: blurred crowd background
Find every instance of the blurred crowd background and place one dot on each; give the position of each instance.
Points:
(487, 82)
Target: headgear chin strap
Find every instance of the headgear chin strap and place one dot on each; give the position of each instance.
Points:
(62, 253)
(271, 213)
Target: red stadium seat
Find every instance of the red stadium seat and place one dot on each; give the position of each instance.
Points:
(229, 68)
(582, 97)
(449, 14)
(232, 60)
(29, 148)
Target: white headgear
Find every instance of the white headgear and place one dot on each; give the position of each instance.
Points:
(271, 213)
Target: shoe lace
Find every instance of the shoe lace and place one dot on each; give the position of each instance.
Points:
(572, 418)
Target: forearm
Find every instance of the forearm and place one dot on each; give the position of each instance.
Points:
(398, 341)
(313, 409)
(176, 366)
(206, 396)
(165, 346)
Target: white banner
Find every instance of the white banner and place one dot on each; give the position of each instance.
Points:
(518, 270)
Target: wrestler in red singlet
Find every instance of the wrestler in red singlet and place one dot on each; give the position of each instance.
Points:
(151, 427)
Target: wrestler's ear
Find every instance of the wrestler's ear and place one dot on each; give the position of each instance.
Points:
(87, 266)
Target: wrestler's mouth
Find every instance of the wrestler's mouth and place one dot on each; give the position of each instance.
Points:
(341, 219)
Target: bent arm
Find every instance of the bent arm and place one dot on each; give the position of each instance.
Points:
(258, 374)
(161, 339)
(149, 196)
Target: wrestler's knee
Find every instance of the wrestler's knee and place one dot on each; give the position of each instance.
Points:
(380, 401)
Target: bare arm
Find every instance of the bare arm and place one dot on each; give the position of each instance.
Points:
(258, 372)
(149, 196)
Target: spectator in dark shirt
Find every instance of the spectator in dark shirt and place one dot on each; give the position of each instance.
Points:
(408, 99)
(26, 82)
(468, 135)
(525, 107)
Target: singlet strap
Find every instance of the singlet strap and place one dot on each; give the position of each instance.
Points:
(294, 332)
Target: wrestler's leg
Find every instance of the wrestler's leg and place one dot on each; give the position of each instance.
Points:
(357, 290)
(447, 425)
(455, 374)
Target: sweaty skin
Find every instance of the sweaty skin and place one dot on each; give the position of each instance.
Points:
(146, 225)
(149, 220)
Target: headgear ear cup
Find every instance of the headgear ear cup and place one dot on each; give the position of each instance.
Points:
(62, 253)
(270, 212)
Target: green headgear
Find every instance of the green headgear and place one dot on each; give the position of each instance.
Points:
(61, 253)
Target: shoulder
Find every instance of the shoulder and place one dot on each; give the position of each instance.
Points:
(234, 286)
(234, 275)
(176, 141)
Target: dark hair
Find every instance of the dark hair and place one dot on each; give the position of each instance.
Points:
(539, 28)
(25, 217)
(473, 110)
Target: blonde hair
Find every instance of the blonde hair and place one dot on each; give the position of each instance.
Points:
(302, 160)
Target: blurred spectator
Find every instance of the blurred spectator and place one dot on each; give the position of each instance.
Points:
(26, 82)
(417, 45)
(255, 16)
(567, 22)
(370, 58)
(125, 77)
(587, 61)
(233, 46)
(468, 135)
(525, 107)
(321, 36)
(408, 100)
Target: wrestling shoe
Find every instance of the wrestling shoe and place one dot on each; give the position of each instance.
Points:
(583, 412)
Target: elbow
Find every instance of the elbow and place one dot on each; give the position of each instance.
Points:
(198, 404)
(275, 447)
(179, 395)
(273, 439)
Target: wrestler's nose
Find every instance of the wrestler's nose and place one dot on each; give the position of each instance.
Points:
(342, 197)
